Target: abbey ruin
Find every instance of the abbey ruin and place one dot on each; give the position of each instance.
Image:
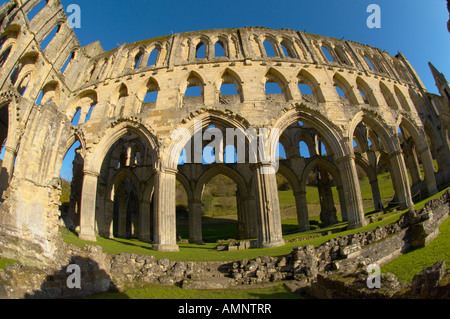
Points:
(127, 166)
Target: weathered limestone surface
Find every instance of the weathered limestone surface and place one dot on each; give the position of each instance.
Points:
(335, 269)
(127, 164)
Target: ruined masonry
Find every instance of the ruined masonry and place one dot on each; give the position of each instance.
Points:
(127, 166)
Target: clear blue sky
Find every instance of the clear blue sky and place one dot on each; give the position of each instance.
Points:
(415, 27)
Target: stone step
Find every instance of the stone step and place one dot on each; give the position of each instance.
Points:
(208, 283)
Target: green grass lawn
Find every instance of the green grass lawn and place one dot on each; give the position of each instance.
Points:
(158, 292)
(411, 263)
(207, 252)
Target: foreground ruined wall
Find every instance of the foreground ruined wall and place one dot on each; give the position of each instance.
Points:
(127, 144)
(335, 269)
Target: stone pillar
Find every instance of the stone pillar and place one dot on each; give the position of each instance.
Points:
(302, 211)
(88, 206)
(400, 179)
(412, 163)
(122, 227)
(164, 208)
(240, 214)
(428, 169)
(195, 222)
(249, 216)
(109, 213)
(145, 221)
(351, 191)
(341, 195)
(267, 206)
(7, 169)
(376, 195)
(327, 208)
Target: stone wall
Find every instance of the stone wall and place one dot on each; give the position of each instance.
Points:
(321, 268)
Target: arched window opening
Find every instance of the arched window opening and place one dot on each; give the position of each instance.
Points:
(321, 147)
(323, 202)
(285, 51)
(342, 56)
(366, 101)
(270, 49)
(152, 91)
(89, 114)
(123, 91)
(327, 54)
(193, 91)
(153, 57)
(402, 99)
(50, 37)
(280, 152)
(273, 88)
(230, 154)
(219, 201)
(37, 8)
(288, 49)
(15, 74)
(305, 89)
(2, 152)
(4, 125)
(4, 56)
(66, 64)
(24, 84)
(340, 91)
(182, 211)
(39, 99)
(71, 181)
(369, 63)
(388, 96)
(200, 51)
(137, 60)
(374, 173)
(76, 117)
(151, 97)
(219, 49)
(228, 89)
(304, 150)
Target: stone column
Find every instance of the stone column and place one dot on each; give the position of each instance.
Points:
(428, 169)
(109, 213)
(341, 195)
(7, 169)
(145, 221)
(327, 209)
(88, 206)
(195, 222)
(249, 216)
(122, 227)
(267, 206)
(400, 179)
(240, 214)
(376, 196)
(412, 163)
(164, 208)
(302, 211)
(351, 191)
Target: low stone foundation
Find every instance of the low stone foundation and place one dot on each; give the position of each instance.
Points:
(334, 269)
